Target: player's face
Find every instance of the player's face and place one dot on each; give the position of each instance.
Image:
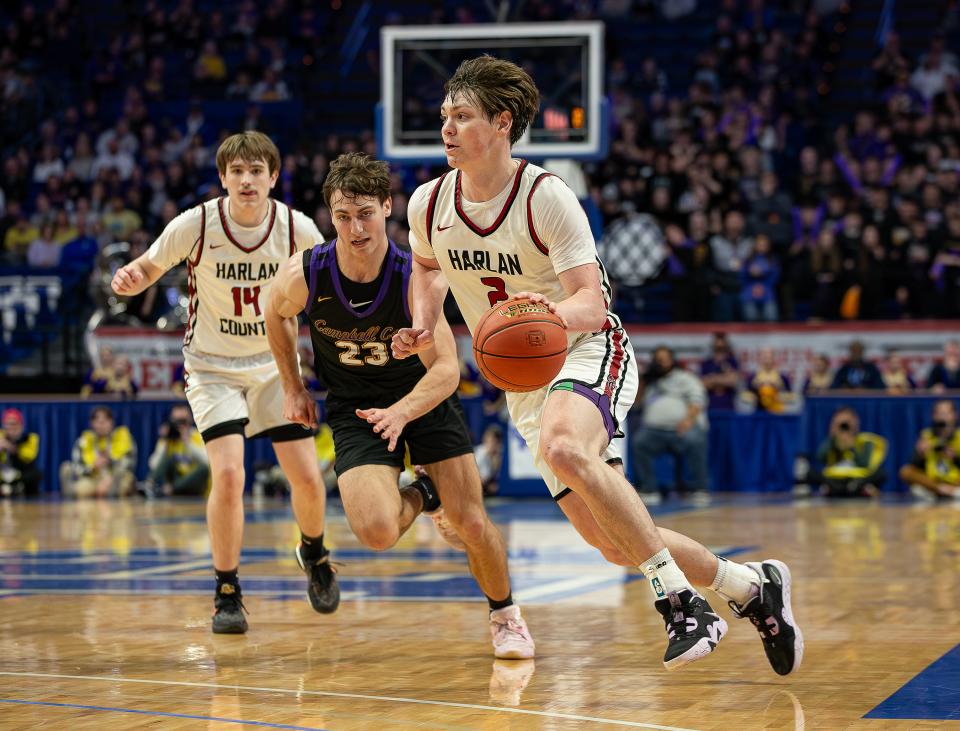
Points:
(361, 221)
(468, 136)
(248, 183)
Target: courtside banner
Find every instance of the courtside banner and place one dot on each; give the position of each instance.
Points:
(156, 355)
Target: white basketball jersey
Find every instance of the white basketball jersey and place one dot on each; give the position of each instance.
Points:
(228, 280)
(522, 243)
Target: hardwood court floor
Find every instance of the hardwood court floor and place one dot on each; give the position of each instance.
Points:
(105, 608)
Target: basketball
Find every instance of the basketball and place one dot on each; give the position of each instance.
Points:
(519, 345)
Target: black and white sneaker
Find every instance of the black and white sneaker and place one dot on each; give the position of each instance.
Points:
(322, 588)
(772, 615)
(228, 611)
(693, 628)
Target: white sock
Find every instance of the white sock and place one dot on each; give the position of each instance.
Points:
(735, 582)
(664, 575)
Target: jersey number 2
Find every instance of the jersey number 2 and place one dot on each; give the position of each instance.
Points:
(498, 291)
(245, 296)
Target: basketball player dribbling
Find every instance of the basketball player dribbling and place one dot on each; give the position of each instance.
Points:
(355, 293)
(233, 247)
(497, 228)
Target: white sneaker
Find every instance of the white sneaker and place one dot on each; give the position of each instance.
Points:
(511, 638)
(509, 679)
(446, 531)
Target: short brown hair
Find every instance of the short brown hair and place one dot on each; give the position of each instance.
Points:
(356, 174)
(495, 86)
(248, 146)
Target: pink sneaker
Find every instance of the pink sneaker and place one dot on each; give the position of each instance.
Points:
(446, 530)
(511, 638)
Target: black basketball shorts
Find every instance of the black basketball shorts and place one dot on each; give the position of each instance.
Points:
(436, 436)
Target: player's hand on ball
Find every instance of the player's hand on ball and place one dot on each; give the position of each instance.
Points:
(388, 423)
(540, 299)
(300, 408)
(126, 279)
(410, 341)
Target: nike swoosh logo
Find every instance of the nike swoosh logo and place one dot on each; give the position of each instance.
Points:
(216, 246)
(444, 228)
(323, 299)
(358, 305)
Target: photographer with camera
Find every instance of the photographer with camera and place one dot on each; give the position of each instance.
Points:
(674, 421)
(935, 467)
(178, 465)
(19, 474)
(852, 460)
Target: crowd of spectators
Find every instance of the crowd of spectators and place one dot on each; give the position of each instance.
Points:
(740, 192)
(764, 208)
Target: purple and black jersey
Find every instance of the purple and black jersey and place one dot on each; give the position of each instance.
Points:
(352, 324)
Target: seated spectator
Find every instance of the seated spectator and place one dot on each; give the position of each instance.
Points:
(19, 473)
(769, 388)
(851, 461)
(896, 377)
(489, 455)
(674, 421)
(945, 375)
(178, 466)
(120, 221)
(113, 158)
(935, 467)
(18, 239)
(857, 373)
(101, 464)
(759, 278)
(44, 252)
(820, 379)
(96, 379)
(120, 378)
(933, 75)
(720, 374)
(210, 66)
(271, 88)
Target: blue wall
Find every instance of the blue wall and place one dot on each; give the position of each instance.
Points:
(747, 452)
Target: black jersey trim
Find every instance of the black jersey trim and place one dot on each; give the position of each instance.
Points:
(458, 196)
(226, 227)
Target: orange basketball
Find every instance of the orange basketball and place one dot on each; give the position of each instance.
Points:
(519, 345)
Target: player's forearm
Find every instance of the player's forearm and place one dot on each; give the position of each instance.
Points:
(440, 381)
(149, 274)
(282, 338)
(584, 311)
(428, 289)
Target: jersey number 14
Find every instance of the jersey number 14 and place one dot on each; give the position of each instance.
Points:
(245, 296)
